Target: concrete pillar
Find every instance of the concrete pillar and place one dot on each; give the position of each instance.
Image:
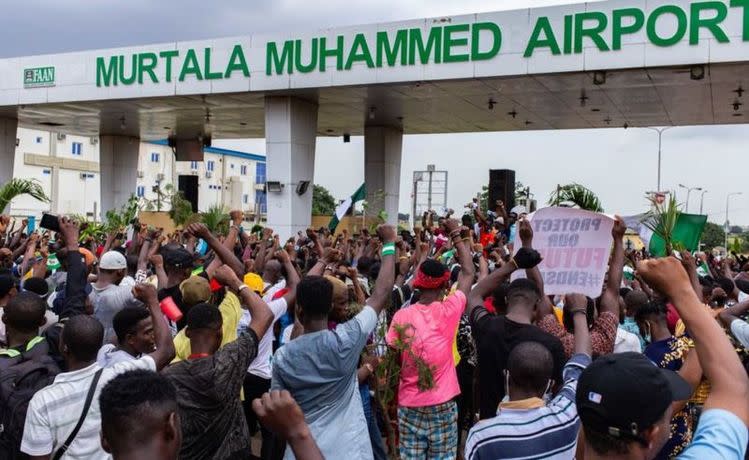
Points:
(382, 170)
(290, 135)
(118, 168)
(8, 128)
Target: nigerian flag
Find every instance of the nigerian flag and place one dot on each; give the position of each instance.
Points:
(342, 209)
(687, 232)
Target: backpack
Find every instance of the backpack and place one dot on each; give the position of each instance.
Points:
(21, 375)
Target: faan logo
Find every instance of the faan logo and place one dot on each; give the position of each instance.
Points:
(38, 77)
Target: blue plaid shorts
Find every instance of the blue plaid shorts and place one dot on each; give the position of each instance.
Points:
(428, 432)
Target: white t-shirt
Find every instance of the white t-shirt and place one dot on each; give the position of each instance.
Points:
(54, 412)
(109, 355)
(626, 341)
(261, 365)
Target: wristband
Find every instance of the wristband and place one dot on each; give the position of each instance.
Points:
(388, 249)
(241, 288)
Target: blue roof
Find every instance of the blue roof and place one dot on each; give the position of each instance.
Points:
(220, 151)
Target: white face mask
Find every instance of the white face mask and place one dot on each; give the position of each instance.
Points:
(547, 396)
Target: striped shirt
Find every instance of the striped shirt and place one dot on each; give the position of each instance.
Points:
(548, 432)
(54, 411)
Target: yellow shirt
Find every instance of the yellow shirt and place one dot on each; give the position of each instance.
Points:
(231, 311)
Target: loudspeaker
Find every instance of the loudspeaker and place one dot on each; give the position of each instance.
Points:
(502, 187)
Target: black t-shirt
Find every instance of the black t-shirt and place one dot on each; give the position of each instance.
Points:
(176, 295)
(495, 337)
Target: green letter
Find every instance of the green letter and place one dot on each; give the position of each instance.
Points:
(567, 46)
(169, 55)
(237, 62)
(416, 44)
(542, 25)
(131, 79)
(681, 29)
(106, 74)
(190, 66)
(618, 29)
(712, 24)
(147, 67)
(359, 55)
(272, 59)
(208, 74)
(476, 53)
(449, 42)
(594, 33)
(399, 46)
(744, 4)
(337, 52)
(298, 57)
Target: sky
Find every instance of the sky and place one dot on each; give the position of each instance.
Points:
(618, 165)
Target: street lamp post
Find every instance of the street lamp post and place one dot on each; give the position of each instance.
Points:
(689, 190)
(660, 132)
(702, 200)
(725, 245)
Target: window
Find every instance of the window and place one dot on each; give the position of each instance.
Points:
(76, 147)
(154, 157)
(245, 198)
(46, 172)
(38, 139)
(140, 191)
(231, 166)
(194, 165)
(210, 165)
(261, 200)
(243, 170)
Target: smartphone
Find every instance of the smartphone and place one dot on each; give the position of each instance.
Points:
(50, 222)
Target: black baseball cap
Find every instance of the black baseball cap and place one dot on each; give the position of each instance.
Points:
(625, 393)
(177, 257)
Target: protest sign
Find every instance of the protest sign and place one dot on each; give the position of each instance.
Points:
(575, 245)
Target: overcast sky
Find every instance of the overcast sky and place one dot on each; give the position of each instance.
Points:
(619, 165)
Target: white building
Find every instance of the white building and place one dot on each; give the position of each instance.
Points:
(67, 166)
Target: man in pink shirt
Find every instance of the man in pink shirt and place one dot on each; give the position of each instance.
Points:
(427, 417)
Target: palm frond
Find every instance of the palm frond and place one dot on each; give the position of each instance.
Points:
(17, 187)
(215, 218)
(662, 218)
(576, 195)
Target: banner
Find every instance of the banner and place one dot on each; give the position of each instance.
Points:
(575, 245)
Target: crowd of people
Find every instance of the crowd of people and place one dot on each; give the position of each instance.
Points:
(437, 343)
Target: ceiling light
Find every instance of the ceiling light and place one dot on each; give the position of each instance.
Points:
(697, 72)
(599, 77)
(346, 138)
(491, 104)
(372, 111)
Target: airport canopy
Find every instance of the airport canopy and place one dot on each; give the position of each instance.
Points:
(588, 65)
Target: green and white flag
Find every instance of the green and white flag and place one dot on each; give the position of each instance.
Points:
(342, 209)
(687, 232)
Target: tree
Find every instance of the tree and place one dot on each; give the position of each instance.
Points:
(17, 187)
(323, 203)
(216, 219)
(713, 235)
(575, 195)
